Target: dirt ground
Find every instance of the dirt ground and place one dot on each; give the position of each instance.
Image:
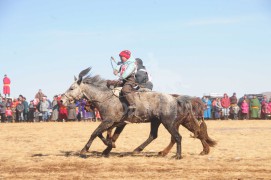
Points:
(50, 151)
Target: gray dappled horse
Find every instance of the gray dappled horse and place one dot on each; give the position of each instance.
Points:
(156, 108)
(152, 107)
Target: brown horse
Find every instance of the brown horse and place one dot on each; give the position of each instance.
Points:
(198, 128)
(156, 108)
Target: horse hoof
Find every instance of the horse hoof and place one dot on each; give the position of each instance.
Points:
(203, 153)
(83, 156)
(83, 151)
(136, 152)
(178, 157)
(106, 155)
(162, 153)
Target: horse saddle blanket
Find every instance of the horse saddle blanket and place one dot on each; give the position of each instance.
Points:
(116, 91)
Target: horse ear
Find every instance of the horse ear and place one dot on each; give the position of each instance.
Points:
(75, 79)
(82, 74)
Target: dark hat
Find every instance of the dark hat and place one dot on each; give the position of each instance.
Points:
(139, 61)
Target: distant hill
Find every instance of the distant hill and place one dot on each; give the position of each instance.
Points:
(268, 94)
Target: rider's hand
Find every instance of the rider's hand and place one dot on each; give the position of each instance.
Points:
(115, 72)
(108, 83)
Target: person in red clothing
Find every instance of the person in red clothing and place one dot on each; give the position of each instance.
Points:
(63, 113)
(225, 103)
(9, 114)
(6, 87)
(97, 114)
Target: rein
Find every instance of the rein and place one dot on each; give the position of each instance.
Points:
(93, 100)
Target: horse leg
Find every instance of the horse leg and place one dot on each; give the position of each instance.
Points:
(116, 134)
(168, 148)
(113, 139)
(173, 130)
(109, 134)
(105, 140)
(98, 131)
(194, 129)
(153, 135)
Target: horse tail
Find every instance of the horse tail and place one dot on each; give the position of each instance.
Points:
(203, 130)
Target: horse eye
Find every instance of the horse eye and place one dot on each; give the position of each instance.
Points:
(71, 88)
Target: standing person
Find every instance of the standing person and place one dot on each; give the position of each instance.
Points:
(218, 108)
(244, 109)
(234, 108)
(264, 108)
(213, 108)
(269, 105)
(208, 107)
(32, 110)
(126, 71)
(241, 101)
(82, 108)
(63, 115)
(9, 102)
(19, 111)
(71, 107)
(13, 109)
(6, 87)
(142, 77)
(97, 114)
(55, 109)
(3, 107)
(233, 99)
(89, 111)
(225, 103)
(44, 108)
(26, 109)
(39, 95)
(255, 107)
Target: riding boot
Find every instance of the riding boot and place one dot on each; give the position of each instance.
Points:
(131, 101)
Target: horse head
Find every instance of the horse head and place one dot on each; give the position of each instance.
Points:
(76, 90)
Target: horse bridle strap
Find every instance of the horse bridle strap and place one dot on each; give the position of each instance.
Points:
(67, 96)
(93, 100)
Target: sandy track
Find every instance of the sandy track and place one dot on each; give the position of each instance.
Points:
(50, 151)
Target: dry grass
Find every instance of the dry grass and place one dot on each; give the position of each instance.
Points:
(50, 151)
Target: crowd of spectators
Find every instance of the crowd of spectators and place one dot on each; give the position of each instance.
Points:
(41, 109)
(231, 108)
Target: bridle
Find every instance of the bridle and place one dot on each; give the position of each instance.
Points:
(91, 99)
(66, 96)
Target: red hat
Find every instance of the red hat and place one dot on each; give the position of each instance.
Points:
(125, 53)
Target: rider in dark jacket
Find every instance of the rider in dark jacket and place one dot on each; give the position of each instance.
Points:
(142, 76)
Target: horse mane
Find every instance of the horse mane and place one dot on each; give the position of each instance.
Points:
(96, 81)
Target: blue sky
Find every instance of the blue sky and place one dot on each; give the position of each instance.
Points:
(189, 47)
